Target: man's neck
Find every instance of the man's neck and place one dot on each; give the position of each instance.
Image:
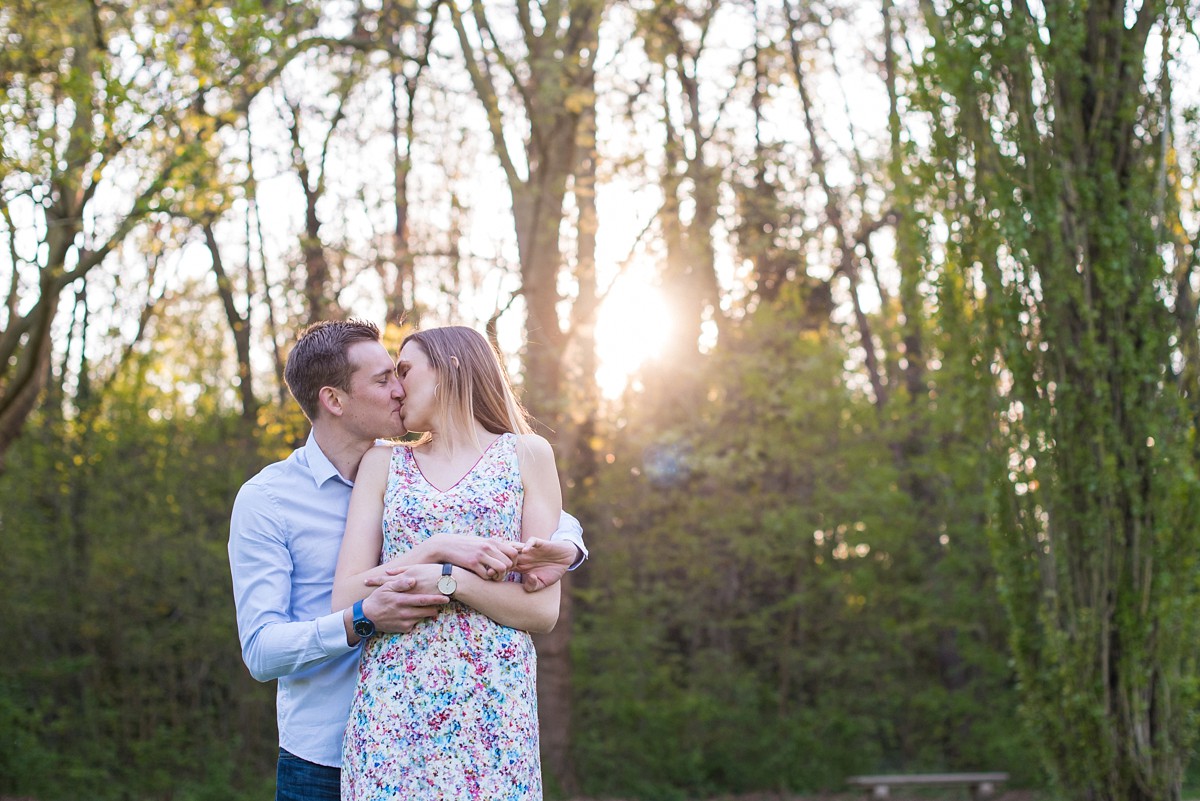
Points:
(343, 451)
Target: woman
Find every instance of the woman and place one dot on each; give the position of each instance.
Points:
(449, 711)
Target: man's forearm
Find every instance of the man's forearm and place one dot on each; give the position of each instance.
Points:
(280, 649)
(569, 530)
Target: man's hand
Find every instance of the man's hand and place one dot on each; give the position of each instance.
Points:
(396, 606)
(424, 578)
(543, 562)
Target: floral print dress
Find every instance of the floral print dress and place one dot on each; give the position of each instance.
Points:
(449, 710)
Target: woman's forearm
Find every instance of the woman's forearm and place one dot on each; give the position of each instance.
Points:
(507, 603)
(356, 586)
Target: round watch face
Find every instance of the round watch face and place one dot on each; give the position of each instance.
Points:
(364, 628)
(447, 585)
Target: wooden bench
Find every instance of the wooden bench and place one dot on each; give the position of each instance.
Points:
(979, 785)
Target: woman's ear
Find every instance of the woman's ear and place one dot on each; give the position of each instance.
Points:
(331, 400)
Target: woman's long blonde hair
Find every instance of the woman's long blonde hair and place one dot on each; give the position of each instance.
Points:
(472, 385)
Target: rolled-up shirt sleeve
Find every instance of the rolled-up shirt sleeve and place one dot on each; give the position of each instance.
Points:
(274, 644)
(570, 531)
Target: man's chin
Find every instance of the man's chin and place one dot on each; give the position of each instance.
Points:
(396, 432)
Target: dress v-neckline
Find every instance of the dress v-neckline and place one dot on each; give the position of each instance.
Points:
(412, 454)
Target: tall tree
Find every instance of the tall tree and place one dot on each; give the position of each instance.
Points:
(850, 244)
(676, 35)
(239, 324)
(409, 31)
(310, 160)
(534, 76)
(536, 79)
(1054, 128)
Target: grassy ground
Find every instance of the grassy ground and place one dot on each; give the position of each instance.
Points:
(959, 794)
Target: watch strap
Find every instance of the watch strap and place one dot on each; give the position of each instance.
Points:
(446, 584)
(363, 626)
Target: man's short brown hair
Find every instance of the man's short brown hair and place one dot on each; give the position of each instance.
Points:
(320, 359)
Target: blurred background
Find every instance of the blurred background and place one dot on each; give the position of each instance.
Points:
(865, 332)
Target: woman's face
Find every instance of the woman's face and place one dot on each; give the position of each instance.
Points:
(420, 381)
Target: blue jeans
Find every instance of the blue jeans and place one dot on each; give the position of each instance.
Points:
(298, 779)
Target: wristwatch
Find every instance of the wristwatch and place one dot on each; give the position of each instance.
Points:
(363, 626)
(446, 584)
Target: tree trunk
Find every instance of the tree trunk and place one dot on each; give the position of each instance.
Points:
(21, 391)
(554, 93)
(849, 263)
(401, 289)
(239, 325)
(538, 213)
(1097, 537)
(689, 277)
(584, 408)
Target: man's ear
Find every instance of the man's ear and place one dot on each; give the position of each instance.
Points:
(331, 400)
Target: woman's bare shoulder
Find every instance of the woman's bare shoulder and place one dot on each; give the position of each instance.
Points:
(381, 451)
(535, 444)
(378, 459)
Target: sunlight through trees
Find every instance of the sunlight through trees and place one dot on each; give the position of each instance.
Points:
(865, 333)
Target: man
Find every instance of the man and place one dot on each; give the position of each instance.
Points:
(285, 533)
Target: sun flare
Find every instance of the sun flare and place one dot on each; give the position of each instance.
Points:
(632, 327)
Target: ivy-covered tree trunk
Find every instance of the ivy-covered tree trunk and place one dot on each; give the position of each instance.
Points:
(1054, 140)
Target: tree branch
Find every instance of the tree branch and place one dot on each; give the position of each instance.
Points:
(487, 95)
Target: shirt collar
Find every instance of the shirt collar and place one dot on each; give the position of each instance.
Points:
(319, 465)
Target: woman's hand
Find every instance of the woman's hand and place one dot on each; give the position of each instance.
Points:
(490, 558)
(487, 557)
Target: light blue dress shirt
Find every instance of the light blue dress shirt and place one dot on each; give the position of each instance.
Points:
(284, 537)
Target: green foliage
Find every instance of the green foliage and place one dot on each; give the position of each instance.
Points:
(1051, 168)
(113, 117)
(792, 581)
(122, 678)
(771, 610)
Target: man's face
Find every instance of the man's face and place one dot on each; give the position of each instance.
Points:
(373, 403)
